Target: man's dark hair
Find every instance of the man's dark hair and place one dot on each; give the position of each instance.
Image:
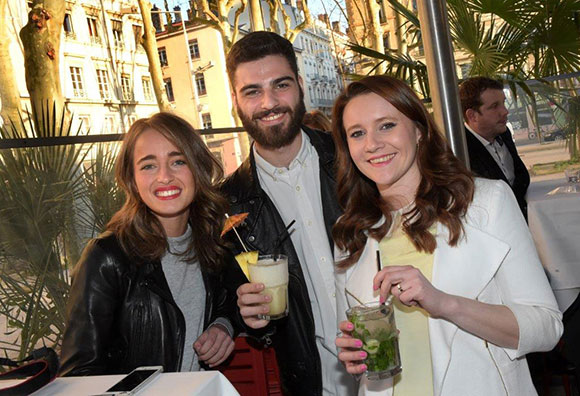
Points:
(471, 89)
(257, 45)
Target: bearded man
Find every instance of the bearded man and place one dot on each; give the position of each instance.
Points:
(287, 177)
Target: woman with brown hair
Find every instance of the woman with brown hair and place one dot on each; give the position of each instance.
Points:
(470, 296)
(149, 291)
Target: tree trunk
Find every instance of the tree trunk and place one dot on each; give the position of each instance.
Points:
(41, 40)
(150, 46)
(9, 95)
(256, 13)
(376, 34)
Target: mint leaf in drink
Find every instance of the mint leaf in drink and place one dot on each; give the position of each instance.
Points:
(385, 356)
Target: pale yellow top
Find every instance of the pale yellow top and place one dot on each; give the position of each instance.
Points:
(416, 377)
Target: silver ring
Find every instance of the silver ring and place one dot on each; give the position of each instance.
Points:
(400, 288)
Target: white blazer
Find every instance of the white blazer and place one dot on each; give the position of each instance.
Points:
(494, 262)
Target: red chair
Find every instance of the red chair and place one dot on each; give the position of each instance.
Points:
(252, 369)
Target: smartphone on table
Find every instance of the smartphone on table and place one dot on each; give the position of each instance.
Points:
(135, 381)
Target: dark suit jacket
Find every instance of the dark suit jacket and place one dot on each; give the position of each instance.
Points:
(484, 165)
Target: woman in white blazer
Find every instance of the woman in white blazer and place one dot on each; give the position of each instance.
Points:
(485, 296)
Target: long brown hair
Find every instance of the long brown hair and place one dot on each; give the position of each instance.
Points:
(138, 230)
(443, 195)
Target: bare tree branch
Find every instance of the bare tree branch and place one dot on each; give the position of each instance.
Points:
(274, 6)
(307, 22)
(150, 46)
(239, 12)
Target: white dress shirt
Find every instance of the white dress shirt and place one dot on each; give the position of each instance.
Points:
(500, 154)
(295, 191)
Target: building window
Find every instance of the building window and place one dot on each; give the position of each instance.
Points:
(126, 87)
(132, 119)
(103, 83)
(382, 18)
(137, 35)
(193, 49)
(67, 26)
(94, 30)
(386, 41)
(117, 26)
(146, 81)
(169, 89)
(206, 120)
(109, 125)
(163, 57)
(465, 69)
(84, 124)
(218, 156)
(200, 82)
(77, 82)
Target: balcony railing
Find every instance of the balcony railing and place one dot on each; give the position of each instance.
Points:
(317, 102)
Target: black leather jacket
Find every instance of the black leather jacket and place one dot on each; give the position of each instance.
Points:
(293, 337)
(122, 315)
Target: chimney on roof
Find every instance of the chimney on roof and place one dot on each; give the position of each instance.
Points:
(177, 10)
(324, 18)
(156, 19)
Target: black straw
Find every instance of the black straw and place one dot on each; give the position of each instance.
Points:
(281, 238)
(379, 266)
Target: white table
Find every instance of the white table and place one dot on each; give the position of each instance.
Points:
(555, 226)
(201, 383)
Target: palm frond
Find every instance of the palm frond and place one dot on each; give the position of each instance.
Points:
(40, 235)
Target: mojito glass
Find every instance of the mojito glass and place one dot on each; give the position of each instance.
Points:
(272, 271)
(374, 325)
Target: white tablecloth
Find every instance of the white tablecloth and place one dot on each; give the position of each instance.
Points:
(555, 225)
(202, 383)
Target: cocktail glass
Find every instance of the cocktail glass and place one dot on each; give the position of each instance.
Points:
(374, 325)
(272, 271)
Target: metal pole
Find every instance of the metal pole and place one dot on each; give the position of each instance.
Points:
(442, 77)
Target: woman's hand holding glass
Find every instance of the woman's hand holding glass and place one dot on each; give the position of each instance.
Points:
(350, 353)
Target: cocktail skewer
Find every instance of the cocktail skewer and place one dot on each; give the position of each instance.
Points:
(238, 235)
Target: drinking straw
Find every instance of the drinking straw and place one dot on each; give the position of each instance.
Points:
(379, 267)
(238, 235)
(353, 296)
(281, 238)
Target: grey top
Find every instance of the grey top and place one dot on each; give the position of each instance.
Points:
(186, 285)
(185, 282)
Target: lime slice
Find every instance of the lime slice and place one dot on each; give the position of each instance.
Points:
(372, 346)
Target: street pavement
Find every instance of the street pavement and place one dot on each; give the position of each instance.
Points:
(536, 153)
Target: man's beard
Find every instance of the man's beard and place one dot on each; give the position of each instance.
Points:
(278, 135)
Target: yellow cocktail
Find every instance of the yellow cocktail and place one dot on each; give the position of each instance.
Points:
(272, 271)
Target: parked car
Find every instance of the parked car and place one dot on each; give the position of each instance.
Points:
(557, 136)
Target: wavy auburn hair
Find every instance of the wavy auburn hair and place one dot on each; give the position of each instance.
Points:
(444, 193)
(138, 230)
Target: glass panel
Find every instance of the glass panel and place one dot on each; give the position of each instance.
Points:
(53, 200)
